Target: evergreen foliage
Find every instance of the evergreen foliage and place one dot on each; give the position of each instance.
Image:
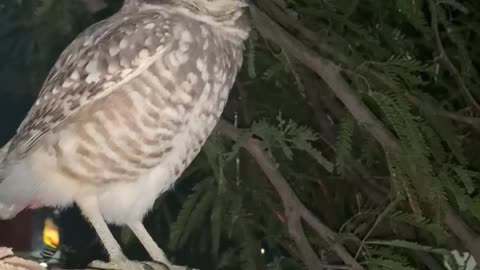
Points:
(414, 64)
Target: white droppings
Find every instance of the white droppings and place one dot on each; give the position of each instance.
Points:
(37, 103)
(54, 91)
(205, 45)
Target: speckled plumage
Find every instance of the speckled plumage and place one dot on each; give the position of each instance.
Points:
(125, 110)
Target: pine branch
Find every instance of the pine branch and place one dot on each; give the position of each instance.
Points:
(331, 74)
(295, 210)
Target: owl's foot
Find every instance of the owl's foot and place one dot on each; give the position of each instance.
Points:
(135, 265)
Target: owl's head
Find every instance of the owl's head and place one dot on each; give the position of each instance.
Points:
(215, 8)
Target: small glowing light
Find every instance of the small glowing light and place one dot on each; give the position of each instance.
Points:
(51, 236)
(262, 251)
(44, 264)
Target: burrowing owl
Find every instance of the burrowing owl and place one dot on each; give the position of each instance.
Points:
(124, 111)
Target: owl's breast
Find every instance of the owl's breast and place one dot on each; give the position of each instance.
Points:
(134, 143)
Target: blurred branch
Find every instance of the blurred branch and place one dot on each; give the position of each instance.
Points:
(295, 210)
(93, 6)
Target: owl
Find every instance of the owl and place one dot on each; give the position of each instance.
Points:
(123, 112)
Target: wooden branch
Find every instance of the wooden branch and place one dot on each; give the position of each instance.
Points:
(8, 261)
(295, 210)
(331, 74)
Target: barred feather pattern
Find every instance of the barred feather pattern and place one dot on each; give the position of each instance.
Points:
(127, 107)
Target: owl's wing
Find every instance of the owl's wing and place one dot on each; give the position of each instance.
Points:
(100, 59)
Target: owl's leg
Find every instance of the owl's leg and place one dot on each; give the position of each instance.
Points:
(90, 209)
(152, 248)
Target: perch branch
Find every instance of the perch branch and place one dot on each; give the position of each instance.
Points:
(294, 208)
(331, 74)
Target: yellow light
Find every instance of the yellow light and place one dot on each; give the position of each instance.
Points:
(51, 236)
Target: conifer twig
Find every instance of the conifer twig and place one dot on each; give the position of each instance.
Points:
(295, 210)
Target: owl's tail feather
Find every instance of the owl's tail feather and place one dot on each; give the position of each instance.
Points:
(7, 211)
(3, 154)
